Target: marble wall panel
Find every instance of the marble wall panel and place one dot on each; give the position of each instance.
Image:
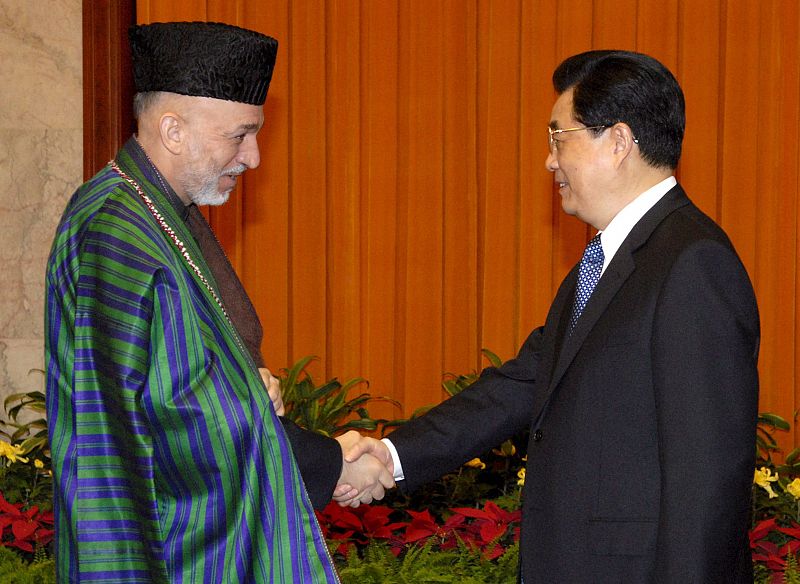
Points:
(41, 157)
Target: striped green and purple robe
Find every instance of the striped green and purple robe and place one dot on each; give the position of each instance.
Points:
(169, 462)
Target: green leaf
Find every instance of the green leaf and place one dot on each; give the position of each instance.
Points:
(34, 443)
(793, 456)
(363, 424)
(319, 393)
(773, 420)
(493, 359)
(293, 373)
(420, 411)
(355, 381)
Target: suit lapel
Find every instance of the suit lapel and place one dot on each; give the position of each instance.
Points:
(616, 274)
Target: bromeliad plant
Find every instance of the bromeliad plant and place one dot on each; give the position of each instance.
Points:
(31, 435)
(327, 409)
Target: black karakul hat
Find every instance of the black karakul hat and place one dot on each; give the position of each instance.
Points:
(203, 59)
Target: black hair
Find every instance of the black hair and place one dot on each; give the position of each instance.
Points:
(622, 86)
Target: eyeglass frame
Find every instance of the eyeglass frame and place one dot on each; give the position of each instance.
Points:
(551, 142)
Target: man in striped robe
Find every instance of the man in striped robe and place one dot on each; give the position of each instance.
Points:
(170, 463)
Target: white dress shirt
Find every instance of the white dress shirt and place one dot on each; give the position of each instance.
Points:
(624, 221)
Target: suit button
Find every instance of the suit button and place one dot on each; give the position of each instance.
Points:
(537, 436)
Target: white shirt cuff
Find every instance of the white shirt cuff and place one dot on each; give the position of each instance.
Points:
(398, 468)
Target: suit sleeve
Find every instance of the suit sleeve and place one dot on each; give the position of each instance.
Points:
(705, 350)
(494, 408)
(319, 459)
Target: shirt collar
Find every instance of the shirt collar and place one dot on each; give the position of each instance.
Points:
(624, 221)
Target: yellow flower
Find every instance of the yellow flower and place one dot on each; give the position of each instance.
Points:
(521, 475)
(793, 488)
(763, 477)
(507, 448)
(12, 452)
(476, 463)
(38, 463)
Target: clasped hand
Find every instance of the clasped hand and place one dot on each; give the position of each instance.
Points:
(367, 467)
(367, 470)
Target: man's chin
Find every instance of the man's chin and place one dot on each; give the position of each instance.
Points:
(568, 208)
(214, 200)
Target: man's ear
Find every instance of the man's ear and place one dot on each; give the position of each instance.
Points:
(624, 141)
(172, 130)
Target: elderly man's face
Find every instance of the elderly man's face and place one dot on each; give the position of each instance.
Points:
(221, 146)
(581, 163)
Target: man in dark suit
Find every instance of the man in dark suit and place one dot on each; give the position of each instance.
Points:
(641, 389)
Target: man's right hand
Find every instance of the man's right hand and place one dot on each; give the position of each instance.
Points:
(367, 470)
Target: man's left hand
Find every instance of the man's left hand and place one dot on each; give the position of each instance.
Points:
(274, 389)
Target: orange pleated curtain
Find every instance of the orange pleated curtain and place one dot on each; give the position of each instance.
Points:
(402, 218)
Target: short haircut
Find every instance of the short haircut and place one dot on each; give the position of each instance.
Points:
(143, 100)
(622, 86)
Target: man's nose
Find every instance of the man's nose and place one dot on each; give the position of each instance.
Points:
(551, 162)
(248, 153)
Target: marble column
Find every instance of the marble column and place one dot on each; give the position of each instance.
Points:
(41, 160)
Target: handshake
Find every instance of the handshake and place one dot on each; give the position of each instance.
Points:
(367, 470)
(367, 465)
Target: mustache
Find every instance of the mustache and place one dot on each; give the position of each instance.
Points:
(236, 170)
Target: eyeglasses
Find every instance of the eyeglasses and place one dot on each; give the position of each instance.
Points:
(552, 143)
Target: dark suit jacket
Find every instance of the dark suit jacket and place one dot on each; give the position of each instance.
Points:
(641, 456)
(319, 459)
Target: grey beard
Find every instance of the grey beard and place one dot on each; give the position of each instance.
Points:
(207, 193)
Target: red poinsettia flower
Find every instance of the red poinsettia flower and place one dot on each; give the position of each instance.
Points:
(490, 524)
(376, 522)
(423, 526)
(490, 512)
(767, 552)
(358, 525)
(22, 529)
(762, 529)
(793, 531)
(482, 529)
(334, 517)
